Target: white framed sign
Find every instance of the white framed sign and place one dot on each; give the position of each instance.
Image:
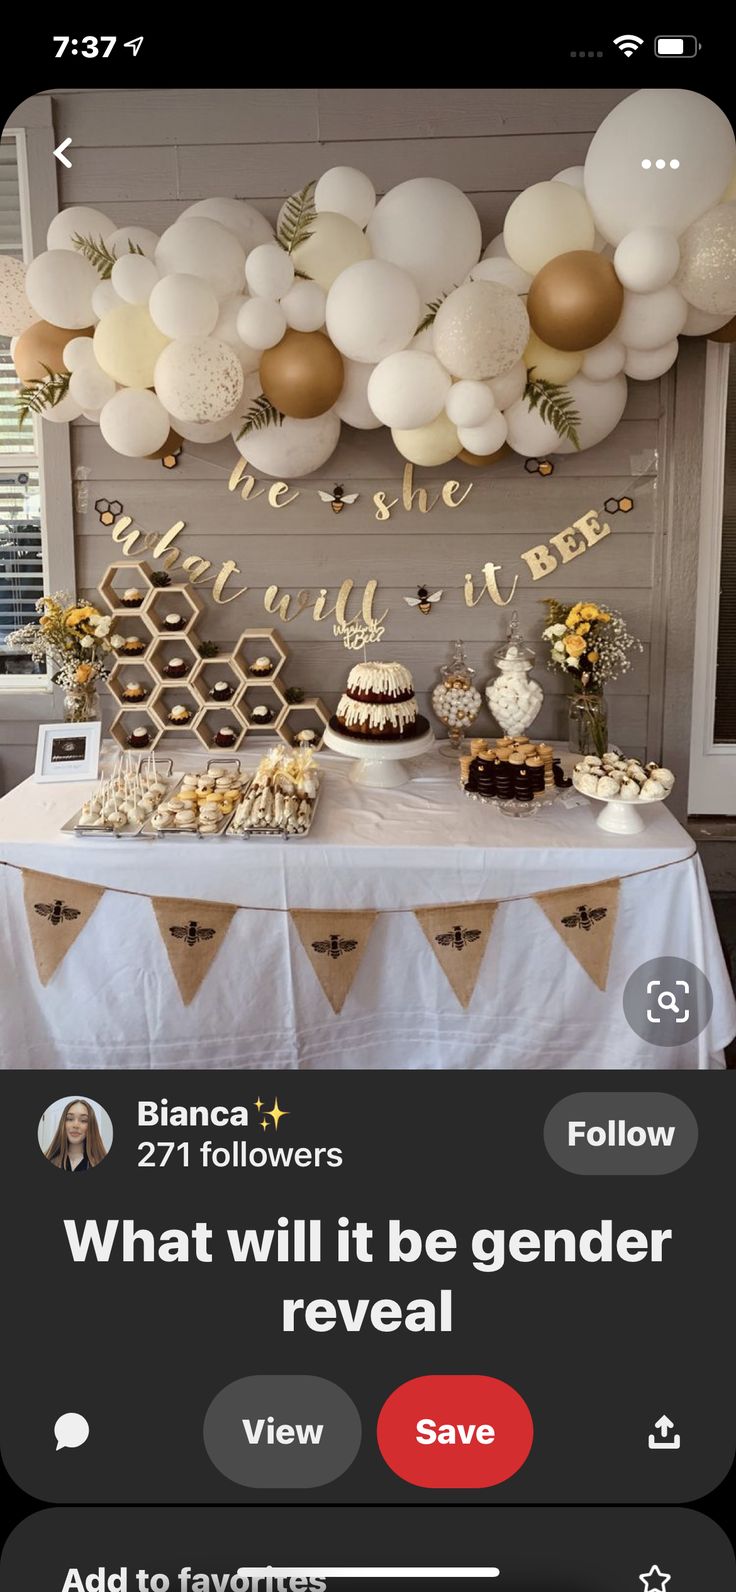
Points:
(67, 751)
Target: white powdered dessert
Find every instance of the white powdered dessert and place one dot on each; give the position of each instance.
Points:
(379, 702)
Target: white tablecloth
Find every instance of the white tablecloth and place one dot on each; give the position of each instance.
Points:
(114, 1002)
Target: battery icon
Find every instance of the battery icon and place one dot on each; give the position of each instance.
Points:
(677, 45)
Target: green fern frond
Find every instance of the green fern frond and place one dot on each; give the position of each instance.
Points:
(555, 404)
(262, 413)
(431, 314)
(45, 393)
(299, 214)
(98, 255)
(134, 248)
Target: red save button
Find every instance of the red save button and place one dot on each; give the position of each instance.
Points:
(455, 1431)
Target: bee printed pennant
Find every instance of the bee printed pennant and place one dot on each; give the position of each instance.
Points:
(334, 943)
(192, 932)
(458, 936)
(57, 910)
(585, 918)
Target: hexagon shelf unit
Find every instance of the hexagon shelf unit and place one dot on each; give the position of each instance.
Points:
(311, 714)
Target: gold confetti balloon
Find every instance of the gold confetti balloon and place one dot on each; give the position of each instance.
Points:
(706, 276)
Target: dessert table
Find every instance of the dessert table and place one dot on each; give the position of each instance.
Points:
(113, 1001)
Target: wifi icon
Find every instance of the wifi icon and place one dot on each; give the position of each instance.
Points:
(628, 43)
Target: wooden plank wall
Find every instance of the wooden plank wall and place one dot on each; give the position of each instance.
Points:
(143, 157)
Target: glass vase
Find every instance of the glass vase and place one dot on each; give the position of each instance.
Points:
(588, 723)
(81, 704)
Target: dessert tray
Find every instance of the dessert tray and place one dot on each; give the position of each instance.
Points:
(512, 808)
(620, 813)
(143, 778)
(214, 807)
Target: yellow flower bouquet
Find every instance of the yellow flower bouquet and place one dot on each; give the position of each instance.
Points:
(75, 638)
(590, 644)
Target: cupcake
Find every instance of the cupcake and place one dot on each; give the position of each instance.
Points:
(180, 714)
(174, 621)
(135, 692)
(305, 737)
(176, 668)
(133, 645)
(261, 715)
(262, 666)
(140, 737)
(222, 691)
(132, 598)
(225, 736)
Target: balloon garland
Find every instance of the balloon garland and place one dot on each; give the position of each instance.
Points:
(385, 313)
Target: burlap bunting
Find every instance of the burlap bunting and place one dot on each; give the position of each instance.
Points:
(192, 932)
(334, 943)
(585, 919)
(458, 935)
(57, 910)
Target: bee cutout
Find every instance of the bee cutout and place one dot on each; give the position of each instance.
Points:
(585, 918)
(424, 599)
(458, 937)
(56, 912)
(337, 498)
(334, 947)
(191, 933)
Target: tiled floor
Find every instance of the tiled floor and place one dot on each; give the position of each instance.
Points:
(724, 906)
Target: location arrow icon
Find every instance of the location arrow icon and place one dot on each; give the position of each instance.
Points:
(134, 44)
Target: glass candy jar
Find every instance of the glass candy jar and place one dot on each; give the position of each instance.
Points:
(456, 702)
(513, 698)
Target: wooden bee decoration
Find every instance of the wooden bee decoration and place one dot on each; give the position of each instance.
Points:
(338, 497)
(424, 599)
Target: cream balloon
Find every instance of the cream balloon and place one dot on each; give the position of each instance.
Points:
(237, 216)
(59, 285)
(133, 277)
(729, 192)
(207, 431)
(16, 313)
(304, 307)
(528, 433)
(487, 438)
(509, 388)
(469, 403)
(352, 405)
(346, 192)
(605, 360)
(480, 330)
(408, 389)
(199, 379)
(79, 221)
(552, 364)
(699, 325)
(436, 443)
(89, 386)
(261, 323)
(647, 259)
(140, 238)
(183, 306)
(504, 271)
(646, 364)
(62, 413)
(79, 351)
(198, 246)
(424, 340)
(707, 273)
(295, 448)
(104, 299)
(372, 310)
(600, 405)
(226, 331)
(269, 271)
(686, 133)
(574, 176)
(334, 244)
(127, 345)
(430, 229)
(134, 423)
(649, 320)
(496, 249)
(548, 219)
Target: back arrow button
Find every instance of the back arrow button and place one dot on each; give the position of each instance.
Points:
(59, 153)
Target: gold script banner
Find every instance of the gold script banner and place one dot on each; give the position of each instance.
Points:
(57, 910)
(335, 943)
(585, 919)
(458, 935)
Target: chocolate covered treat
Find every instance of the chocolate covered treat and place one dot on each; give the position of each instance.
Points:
(261, 715)
(140, 737)
(225, 736)
(559, 776)
(486, 768)
(176, 668)
(174, 621)
(535, 767)
(222, 691)
(504, 780)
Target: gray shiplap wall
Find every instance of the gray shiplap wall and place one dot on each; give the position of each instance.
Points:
(144, 156)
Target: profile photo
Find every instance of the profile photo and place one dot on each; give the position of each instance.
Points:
(75, 1134)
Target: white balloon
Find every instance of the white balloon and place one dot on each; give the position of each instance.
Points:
(201, 247)
(294, 448)
(605, 360)
(141, 237)
(208, 430)
(545, 220)
(408, 389)
(600, 405)
(226, 331)
(67, 409)
(496, 249)
(347, 192)
(507, 389)
(649, 320)
(646, 364)
(487, 438)
(269, 271)
(333, 242)
(504, 271)
(304, 306)
(424, 340)
(243, 220)
(352, 406)
(480, 330)
(79, 351)
(646, 259)
(133, 277)
(430, 229)
(470, 403)
(261, 323)
(660, 158)
(104, 299)
(183, 306)
(372, 310)
(90, 386)
(134, 422)
(528, 433)
(698, 324)
(574, 176)
(59, 286)
(78, 221)
(199, 379)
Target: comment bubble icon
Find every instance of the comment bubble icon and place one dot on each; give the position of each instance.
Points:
(71, 1431)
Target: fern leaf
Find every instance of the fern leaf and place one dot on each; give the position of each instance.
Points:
(134, 248)
(262, 413)
(431, 314)
(298, 216)
(555, 404)
(44, 393)
(102, 258)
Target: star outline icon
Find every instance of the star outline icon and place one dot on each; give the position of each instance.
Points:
(662, 1579)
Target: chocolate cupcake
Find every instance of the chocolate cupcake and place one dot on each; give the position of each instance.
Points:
(176, 668)
(132, 646)
(261, 666)
(261, 715)
(174, 621)
(132, 598)
(222, 691)
(180, 714)
(225, 736)
(135, 692)
(140, 737)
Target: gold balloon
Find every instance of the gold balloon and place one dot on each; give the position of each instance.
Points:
(575, 300)
(724, 334)
(303, 375)
(481, 461)
(43, 346)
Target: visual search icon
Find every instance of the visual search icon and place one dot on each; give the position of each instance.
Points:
(71, 1431)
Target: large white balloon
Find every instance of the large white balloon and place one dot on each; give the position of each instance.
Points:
(470, 403)
(600, 405)
(90, 386)
(104, 299)
(480, 330)
(528, 433)
(504, 271)
(707, 274)
(79, 351)
(269, 271)
(372, 310)
(294, 448)
(261, 323)
(496, 249)
(208, 430)
(199, 379)
(660, 158)
(304, 307)
(59, 286)
(548, 219)
(646, 364)
(243, 220)
(605, 360)
(226, 331)
(649, 320)
(507, 389)
(133, 277)
(574, 176)
(347, 192)
(141, 238)
(334, 243)
(201, 247)
(352, 406)
(183, 306)
(80, 221)
(16, 313)
(698, 324)
(646, 259)
(67, 409)
(487, 438)
(134, 423)
(429, 228)
(408, 389)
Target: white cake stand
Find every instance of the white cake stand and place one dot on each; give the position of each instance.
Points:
(380, 764)
(621, 817)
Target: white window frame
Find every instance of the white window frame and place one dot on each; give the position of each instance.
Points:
(32, 696)
(712, 789)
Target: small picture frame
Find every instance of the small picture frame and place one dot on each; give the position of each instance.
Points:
(67, 751)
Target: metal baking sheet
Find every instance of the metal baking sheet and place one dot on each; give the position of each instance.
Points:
(149, 830)
(273, 834)
(74, 826)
